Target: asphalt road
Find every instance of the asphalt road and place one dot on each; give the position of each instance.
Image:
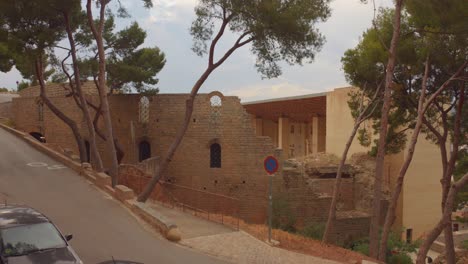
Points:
(102, 228)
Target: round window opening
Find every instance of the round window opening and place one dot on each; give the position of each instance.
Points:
(216, 101)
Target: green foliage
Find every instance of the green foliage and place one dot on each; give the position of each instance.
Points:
(464, 244)
(128, 67)
(422, 35)
(461, 168)
(23, 85)
(397, 250)
(32, 29)
(400, 258)
(361, 246)
(314, 230)
(279, 30)
(10, 123)
(282, 216)
(3, 90)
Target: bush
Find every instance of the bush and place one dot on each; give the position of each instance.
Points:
(400, 258)
(8, 122)
(314, 230)
(397, 249)
(362, 248)
(282, 217)
(464, 244)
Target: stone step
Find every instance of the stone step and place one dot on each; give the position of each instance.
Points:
(438, 247)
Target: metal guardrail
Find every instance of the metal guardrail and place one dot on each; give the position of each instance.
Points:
(211, 206)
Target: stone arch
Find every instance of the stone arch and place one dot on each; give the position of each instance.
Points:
(215, 99)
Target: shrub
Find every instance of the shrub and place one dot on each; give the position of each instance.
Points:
(282, 217)
(314, 230)
(362, 248)
(400, 258)
(464, 244)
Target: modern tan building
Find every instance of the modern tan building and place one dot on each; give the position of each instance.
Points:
(322, 122)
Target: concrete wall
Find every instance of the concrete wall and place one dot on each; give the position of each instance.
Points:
(418, 206)
(422, 191)
(339, 123)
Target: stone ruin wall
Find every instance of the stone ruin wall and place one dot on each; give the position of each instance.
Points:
(306, 186)
(5, 110)
(241, 174)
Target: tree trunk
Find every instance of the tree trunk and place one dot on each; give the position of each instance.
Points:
(332, 211)
(189, 104)
(69, 122)
(448, 232)
(446, 222)
(379, 168)
(443, 222)
(178, 139)
(118, 146)
(113, 170)
(391, 212)
(97, 161)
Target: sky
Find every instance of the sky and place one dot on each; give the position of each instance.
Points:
(167, 25)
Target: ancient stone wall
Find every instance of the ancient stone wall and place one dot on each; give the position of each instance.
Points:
(5, 110)
(226, 123)
(57, 90)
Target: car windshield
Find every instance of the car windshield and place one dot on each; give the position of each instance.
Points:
(22, 240)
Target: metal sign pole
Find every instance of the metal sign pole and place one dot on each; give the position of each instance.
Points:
(271, 166)
(270, 205)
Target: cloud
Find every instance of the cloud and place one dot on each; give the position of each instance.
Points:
(265, 91)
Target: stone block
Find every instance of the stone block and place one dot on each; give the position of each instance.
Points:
(173, 234)
(86, 166)
(75, 158)
(124, 193)
(68, 152)
(103, 179)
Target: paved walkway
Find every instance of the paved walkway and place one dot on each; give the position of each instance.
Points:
(189, 225)
(235, 246)
(240, 247)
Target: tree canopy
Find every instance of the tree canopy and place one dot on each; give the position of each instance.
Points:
(278, 30)
(364, 66)
(33, 28)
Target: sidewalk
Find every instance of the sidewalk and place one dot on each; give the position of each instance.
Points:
(235, 246)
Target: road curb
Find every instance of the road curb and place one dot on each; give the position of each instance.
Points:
(103, 181)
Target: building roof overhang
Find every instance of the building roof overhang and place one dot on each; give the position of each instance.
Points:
(298, 108)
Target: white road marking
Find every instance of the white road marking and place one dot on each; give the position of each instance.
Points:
(56, 167)
(37, 164)
(43, 164)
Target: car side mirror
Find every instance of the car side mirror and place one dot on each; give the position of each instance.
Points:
(69, 237)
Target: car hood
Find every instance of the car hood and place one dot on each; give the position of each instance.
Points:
(56, 256)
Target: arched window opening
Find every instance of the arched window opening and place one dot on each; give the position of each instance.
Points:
(88, 151)
(38, 136)
(143, 108)
(215, 155)
(216, 101)
(144, 150)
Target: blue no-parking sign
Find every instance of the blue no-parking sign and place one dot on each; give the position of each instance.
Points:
(271, 165)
